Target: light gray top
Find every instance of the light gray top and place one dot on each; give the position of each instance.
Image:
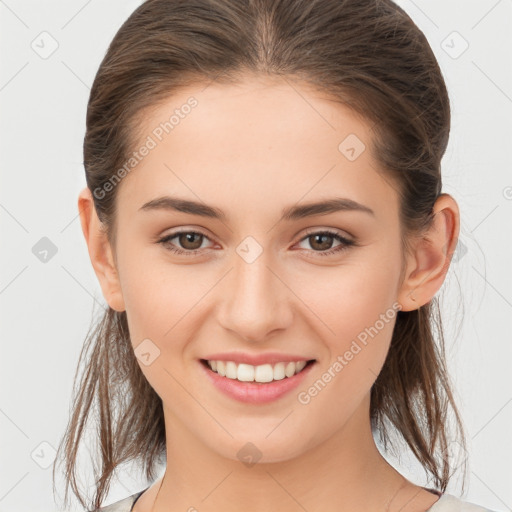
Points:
(446, 503)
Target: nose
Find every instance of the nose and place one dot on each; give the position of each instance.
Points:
(255, 300)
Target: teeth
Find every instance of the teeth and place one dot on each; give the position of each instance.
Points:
(262, 373)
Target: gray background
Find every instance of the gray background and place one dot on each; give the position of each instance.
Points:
(47, 306)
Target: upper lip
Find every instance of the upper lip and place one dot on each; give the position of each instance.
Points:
(256, 359)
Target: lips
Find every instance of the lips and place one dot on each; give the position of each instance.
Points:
(254, 392)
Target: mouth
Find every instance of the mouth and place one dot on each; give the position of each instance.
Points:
(263, 384)
(260, 374)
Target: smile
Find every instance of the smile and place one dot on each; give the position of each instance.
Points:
(263, 383)
(262, 373)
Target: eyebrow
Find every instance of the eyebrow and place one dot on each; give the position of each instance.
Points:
(291, 213)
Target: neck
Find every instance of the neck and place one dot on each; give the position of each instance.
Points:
(345, 472)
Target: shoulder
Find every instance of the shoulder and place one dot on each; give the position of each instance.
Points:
(124, 505)
(450, 503)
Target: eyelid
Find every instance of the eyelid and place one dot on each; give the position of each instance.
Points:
(339, 232)
(307, 233)
(178, 231)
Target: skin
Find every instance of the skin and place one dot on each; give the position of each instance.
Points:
(252, 149)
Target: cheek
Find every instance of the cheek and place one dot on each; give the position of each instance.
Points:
(356, 354)
(160, 300)
(355, 309)
(157, 294)
(349, 298)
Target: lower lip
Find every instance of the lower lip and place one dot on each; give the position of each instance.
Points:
(253, 392)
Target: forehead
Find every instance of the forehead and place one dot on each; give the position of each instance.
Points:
(245, 143)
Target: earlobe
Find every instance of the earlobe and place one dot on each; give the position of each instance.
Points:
(100, 251)
(429, 263)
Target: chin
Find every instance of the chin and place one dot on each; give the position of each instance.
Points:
(257, 448)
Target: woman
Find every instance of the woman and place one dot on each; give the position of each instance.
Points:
(264, 214)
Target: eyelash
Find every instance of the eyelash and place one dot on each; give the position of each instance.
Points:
(346, 243)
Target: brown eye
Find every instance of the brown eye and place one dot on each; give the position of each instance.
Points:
(322, 242)
(190, 240)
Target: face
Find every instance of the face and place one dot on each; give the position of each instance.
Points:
(253, 272)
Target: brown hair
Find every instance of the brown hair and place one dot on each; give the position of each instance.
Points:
(368, 55)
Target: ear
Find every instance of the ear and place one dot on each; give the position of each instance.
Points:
(100, 251)
(428, 263)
